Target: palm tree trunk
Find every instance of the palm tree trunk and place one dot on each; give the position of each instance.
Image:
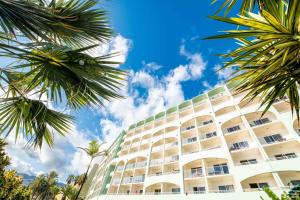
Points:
(84, 179)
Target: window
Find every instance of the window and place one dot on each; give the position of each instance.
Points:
(193, 139)
(157, 191)
(209, 135)
(285, 156)
(197, 190)
(258, 185)
(233, 129)
(197, 171)
(189, 127)
(295, 182)
(176, 190)
(248, 162)
(260, 122)
(219, 169)
(207, 122)
(239, 145)
(226, 188)
(273, 138)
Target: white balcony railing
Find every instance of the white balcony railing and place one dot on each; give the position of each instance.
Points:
(157, 148)
(193, 174)
(220, 170)
(116, 181)
(208, 135)
(156, 162)
(189, 140)
(204, 123)
(130, 166)
(170, 145)
(140, 164)
(187, 128)
(172, 159)
(120, 168)
(272, 139)
(233, 129)
(260, 122)
(138, 179)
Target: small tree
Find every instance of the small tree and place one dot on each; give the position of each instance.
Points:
(93, 151)
(11, 187)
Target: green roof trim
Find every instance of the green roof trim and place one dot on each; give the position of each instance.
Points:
(199, 98)
(140, 123)
(232, 84)
(172, 110)
(150, 119)
(216, 91)
(160, 115)
(184, 104)
(132, 126)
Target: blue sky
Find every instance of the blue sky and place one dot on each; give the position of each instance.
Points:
(160, 42)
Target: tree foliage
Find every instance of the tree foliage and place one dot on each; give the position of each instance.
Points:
(48, 45)
(11, 187)
(267, 62)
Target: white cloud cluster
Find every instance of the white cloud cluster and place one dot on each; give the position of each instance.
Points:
(158, 93)
(223, 74)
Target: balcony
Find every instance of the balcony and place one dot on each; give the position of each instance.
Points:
(156, 162)
(239, 145)
(272, 139)
(205, 123)
(120, 168)
(133, 179)
(140, 164)
(158, 148)
(193, 173)
(221, 169)
(130, 166)
(259, 122)
(189, 140)
(284, 156)
(208, 135)
(171, 159)
(233, 129)
(116, 181)
(171, 145)
(188, 128)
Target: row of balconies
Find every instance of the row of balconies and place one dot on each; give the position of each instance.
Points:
(130, 133)
(228, 130)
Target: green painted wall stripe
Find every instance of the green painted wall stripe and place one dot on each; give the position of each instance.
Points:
(107, 178)
(160, 115)
(132, 126)
(184, 104)
(199, 98)
(216, 91)
(150, 119)
(140, 123)
(171, 110)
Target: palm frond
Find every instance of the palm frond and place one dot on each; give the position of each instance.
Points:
(33, 119)
(72, 22)
(268, 60)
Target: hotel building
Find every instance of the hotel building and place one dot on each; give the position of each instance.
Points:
(214, 146)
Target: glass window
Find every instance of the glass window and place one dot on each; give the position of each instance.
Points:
(175, 190)
(234, 128)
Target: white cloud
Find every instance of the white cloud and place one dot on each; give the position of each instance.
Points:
(206, 84)
(196, 64)
(223, 74)
(159, 94)
(152, 66)
(119, 46)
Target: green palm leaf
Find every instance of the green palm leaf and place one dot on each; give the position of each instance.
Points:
(267, 63)
(33, 119)
(73, 22)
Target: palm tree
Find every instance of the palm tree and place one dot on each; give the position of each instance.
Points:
(45, 187)
(70, 179)
(69, 191)
(267, 62)
(49, 44)
(92, 151)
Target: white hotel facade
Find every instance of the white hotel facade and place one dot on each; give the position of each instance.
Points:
(214, 146)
